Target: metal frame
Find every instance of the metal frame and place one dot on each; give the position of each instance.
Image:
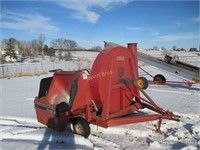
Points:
(109, 96)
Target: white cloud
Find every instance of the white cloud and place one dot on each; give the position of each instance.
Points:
(154, 33)
(82, 9)
(140, 29)
(135, 28)
(196, 19)
(178, 37)
(178, 24)
(34, 24)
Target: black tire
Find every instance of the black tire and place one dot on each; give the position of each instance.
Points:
(159, 79)
(81, 127)
(142, 83)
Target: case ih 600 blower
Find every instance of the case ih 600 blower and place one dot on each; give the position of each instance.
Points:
(108, 96)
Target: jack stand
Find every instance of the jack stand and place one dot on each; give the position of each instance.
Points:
(159, 125)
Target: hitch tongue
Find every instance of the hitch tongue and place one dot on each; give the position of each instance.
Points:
(176, 118)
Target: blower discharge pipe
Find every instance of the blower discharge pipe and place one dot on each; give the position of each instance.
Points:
(133, 49)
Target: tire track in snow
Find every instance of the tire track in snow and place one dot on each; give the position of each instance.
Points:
(22, 130)
(20, 120)
(11, 127)
(25, 123)
(186, 131)
(101, 143)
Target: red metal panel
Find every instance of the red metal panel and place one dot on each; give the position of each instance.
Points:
(61, 91)
(83, 96)
(51, 120)
(60, 87)
(112, 67)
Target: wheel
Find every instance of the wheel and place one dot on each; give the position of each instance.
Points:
(142, 83)
(81, 127)
(159, 79)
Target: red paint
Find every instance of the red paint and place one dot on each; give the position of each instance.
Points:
(104, 97)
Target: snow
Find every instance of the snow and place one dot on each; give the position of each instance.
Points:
(19, 128)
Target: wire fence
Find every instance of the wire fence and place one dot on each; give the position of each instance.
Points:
(30, 69)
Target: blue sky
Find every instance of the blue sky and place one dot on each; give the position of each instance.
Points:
(90, 22)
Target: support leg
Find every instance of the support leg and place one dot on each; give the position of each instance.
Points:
(159, 125)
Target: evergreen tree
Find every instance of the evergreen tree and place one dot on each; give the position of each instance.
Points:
(49, 51)
(10, 48)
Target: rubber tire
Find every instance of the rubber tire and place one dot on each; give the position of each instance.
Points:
(142, 83)
(81, 127)
(159, 79)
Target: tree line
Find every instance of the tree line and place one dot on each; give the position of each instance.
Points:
(37, 47)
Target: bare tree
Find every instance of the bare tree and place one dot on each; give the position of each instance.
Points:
(156, 48)
(24, 48)
(71, 44)
(61, 44)
(34, 47)
(174, 48)
(96, 48)
(163, 48)
(41, 40)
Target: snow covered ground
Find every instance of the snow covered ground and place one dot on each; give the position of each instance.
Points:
(19, 128)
